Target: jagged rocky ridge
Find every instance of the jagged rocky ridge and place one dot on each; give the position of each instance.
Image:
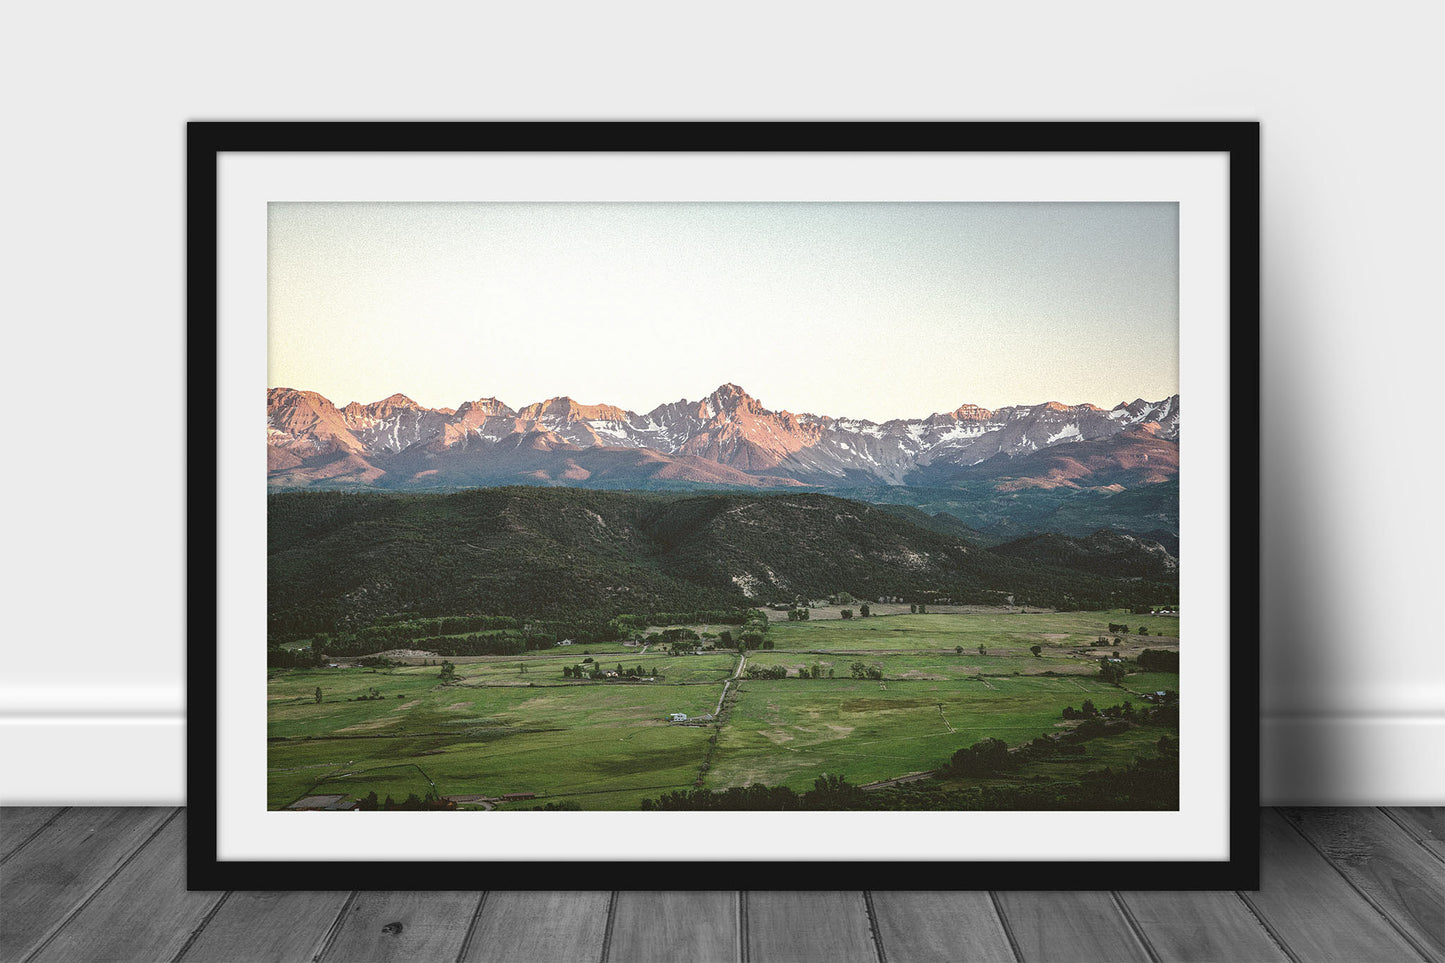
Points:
(728, 438)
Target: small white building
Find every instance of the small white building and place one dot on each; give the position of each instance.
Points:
(677, 717)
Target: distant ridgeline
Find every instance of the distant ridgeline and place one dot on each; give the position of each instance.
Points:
(526, 563)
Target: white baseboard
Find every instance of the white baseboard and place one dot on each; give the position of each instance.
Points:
(141, 761)
(19, 698)
(1352, 760)
(125, 760)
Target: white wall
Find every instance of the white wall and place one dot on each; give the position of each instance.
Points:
(93, 648)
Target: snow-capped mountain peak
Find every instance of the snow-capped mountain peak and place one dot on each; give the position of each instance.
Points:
(727, 427)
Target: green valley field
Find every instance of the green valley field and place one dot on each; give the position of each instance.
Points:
(872, 699)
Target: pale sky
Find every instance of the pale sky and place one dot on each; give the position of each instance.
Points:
(865, 310)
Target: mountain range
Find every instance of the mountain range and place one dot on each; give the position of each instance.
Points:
(727, 439)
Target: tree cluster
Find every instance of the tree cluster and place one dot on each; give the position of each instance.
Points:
(829, 793)
(985, 758)
(389, 632)
(430, 802)
(279, 658)
(371, 695)
(594, 670)
(1112, 672)
(700, 616)
(755, 640)
(861, 670)
(1164, 713)
(1148, 783)
(1159, 660)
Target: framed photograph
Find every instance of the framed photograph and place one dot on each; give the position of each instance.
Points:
(699, 504)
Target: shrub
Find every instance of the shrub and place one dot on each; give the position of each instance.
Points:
(982, 758)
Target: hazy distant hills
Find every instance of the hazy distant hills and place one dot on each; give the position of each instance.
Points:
(979, 513)
(727, 439)
(1103, 553)
(347, 558)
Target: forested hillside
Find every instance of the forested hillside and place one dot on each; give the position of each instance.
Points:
(343, 560)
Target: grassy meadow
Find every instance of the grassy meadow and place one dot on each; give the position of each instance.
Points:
(787, 732)
(516, 724)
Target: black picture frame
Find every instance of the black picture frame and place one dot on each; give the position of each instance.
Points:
(208, 141)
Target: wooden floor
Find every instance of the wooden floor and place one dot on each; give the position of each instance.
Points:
(89, 884)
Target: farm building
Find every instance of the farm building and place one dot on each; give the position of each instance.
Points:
(677, 717)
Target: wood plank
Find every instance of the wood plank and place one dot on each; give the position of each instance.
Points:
(143, 913)
(1425, 823)
(675, 927)
(386, 926)
(940, 928)
(266, 926)
(1201, 926)
(1309, 907)
(68, 861)
(1069, 926)
(1400, 878)
(19, 823)
(809, 927)
(557, 926)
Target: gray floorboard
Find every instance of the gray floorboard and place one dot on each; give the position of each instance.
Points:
(1311, 908)
(142, 913)
(809, 927)
(1070, 925)
(380, 927)
(1201, 926)
(663, 927)
(1425, 824)
(559, 926)
(89, 884)
(1402, 881)
(67, 862)
(18, 824)
(944, 927)
(264, 927)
